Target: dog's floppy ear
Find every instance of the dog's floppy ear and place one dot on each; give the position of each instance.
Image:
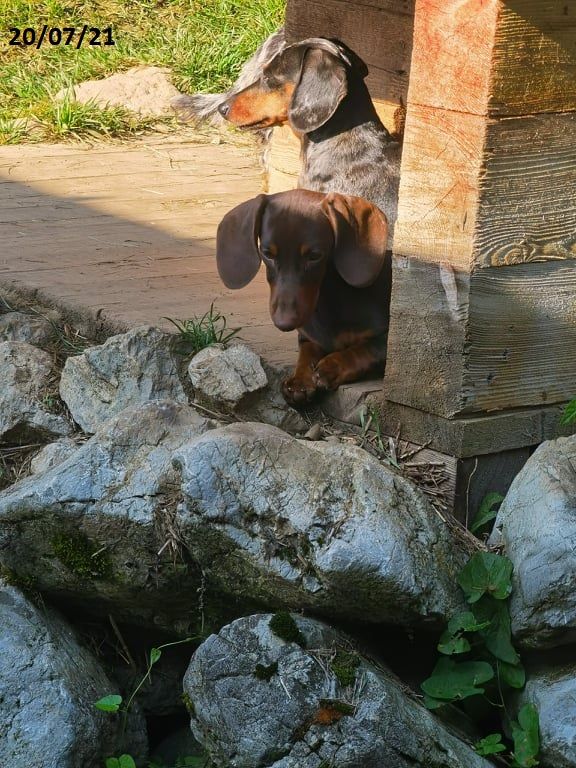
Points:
(360, 237)
(237, 254)
(321, 88)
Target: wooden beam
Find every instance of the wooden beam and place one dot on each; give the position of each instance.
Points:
(483, 315)
(380, 31)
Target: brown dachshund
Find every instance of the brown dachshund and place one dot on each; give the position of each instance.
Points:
(329, 276)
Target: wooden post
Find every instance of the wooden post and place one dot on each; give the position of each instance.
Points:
(482, 345)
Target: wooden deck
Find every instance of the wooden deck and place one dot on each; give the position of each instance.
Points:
(129, 229)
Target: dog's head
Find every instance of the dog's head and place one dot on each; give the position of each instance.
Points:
(302, 85)
(297, 234)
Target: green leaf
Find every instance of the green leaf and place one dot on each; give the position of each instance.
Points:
(124, 761)
(451, 646)
(569, 414)
(525, 734)
(497, 635)
(155, 654)
(451, 642)
(488, 510)
(490, 745)
(109, 703)
(512, 674)
(452, 680)
(431, 703)
(486, 573)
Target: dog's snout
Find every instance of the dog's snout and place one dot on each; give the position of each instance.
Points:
(224, 108)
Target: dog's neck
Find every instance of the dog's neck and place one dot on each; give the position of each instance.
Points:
(355, 109)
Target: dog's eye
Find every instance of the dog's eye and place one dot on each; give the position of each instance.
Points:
(266, 254)
(313, 256)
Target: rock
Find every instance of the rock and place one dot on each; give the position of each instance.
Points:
(349, 403)
(18, 326)
(553, 692)
(145, 90)
(262, 702)
(99, 530)
(317, 526)
(234, 379)
(226, 374)
(48, 686)
(52, 454)
(537, 525)
(314, 433)
(127, 369)
(27, 377)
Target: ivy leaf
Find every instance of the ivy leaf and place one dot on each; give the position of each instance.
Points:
(512, 674)
(109, 703)
(490, 745)
(486, 573)
(452, 680)
(124, 761)
(451, 641)
(451, 646)
(497, 634)
(431, 703)
(488, 510)
(569, 414)
(155, 654)
(525, 734)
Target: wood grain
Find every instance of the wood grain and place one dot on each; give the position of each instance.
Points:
(487, 194)
(489, 57)
(379, 32)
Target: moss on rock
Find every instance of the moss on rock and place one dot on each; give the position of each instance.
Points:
(81, 557)
(284, 627)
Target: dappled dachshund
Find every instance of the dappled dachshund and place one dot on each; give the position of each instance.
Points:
(317, 87)
(329, 275)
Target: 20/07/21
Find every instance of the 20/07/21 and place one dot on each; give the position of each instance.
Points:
(61, 36)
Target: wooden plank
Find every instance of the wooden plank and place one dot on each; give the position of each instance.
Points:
(473, 435)
(487, 194)
(83, 236)
(489, 57)
(521, 337)
(426, 338)
(381, 33)
(497, 339)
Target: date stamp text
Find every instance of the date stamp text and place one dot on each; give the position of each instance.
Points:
(73, 36)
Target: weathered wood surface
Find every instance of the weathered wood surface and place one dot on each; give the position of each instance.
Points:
(495, 57)
(379, 31)
(496, 339)
(487, 194)
(129, 229)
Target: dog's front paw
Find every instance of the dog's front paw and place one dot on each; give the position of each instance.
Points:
(299, 390)
(328, 373)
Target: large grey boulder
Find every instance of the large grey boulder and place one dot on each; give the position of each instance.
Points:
(48, 686)
(260, 701)
(99, 528)
(537, 526)
(127, 369)
(553, 692)
(26, 380)
(19, 326)
(234, 379)
(315, 525)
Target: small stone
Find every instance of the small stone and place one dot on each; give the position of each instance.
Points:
(226, 375)
(131, 368)
(314, 433)
(27, 376)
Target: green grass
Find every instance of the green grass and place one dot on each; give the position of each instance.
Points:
(201, 332)
(204, 42)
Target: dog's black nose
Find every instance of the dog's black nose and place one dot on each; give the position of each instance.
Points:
(224, 108)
